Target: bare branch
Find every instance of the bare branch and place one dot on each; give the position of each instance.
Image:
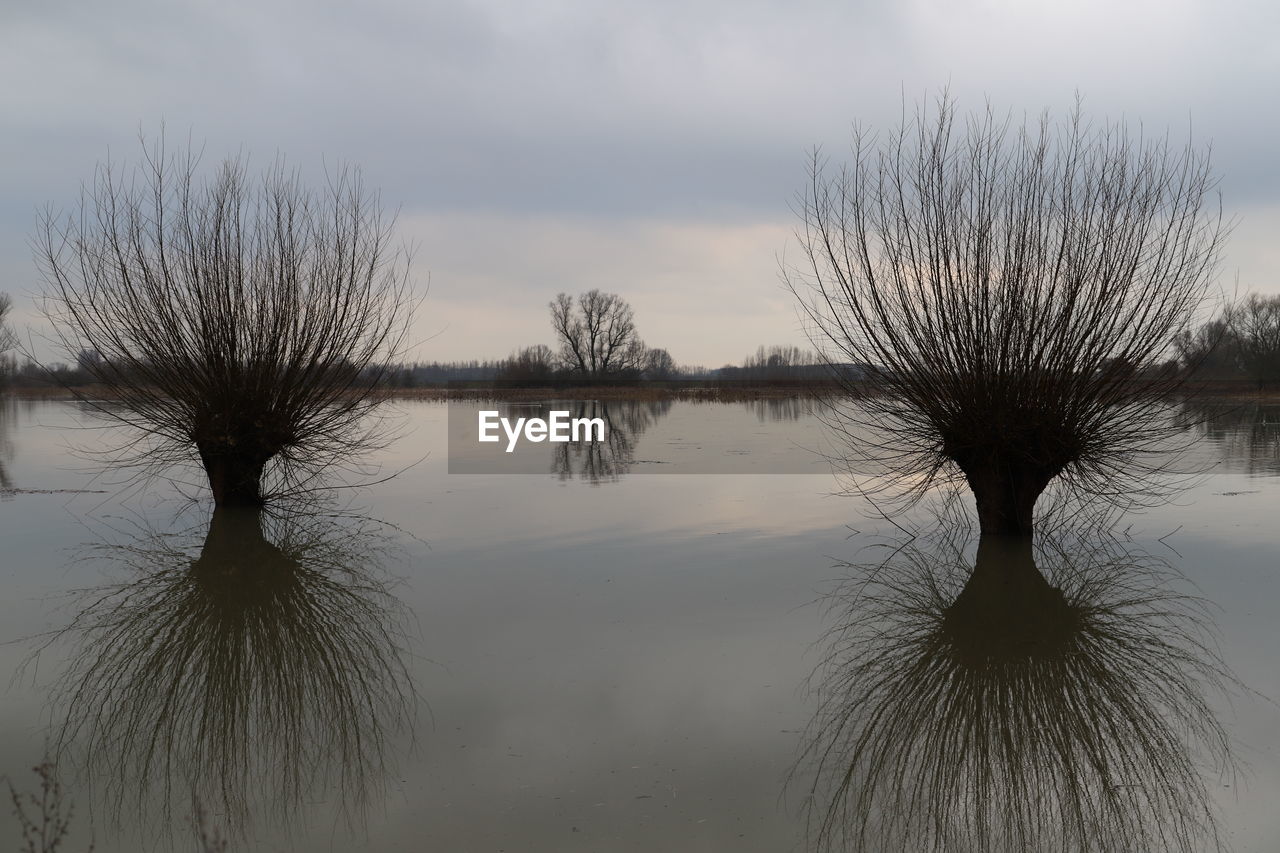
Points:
(597, 337)
(249, 321)
(1011, 290)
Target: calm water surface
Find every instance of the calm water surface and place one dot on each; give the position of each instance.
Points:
(580, 658)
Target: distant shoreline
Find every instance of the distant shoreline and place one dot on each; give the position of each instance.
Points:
(710, 391)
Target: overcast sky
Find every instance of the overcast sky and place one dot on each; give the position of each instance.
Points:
(648, 148)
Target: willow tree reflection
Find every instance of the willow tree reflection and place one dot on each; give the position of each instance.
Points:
(251, 672)
(1049, 699)
(603, 461)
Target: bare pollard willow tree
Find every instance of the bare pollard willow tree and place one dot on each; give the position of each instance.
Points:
(249, 320)
(1010, 289)
(597, 335)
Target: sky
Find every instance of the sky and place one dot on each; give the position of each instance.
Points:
(652, 149)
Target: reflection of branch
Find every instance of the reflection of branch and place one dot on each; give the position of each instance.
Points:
(1008, 709)
(1248, 433)
(6, 447)
(779, 408)
(600, 461)
(257, 670)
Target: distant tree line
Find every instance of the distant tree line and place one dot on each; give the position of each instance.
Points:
(596, 342)
(779, 364)
(1241, 343)
(529, 366)
(579, 359)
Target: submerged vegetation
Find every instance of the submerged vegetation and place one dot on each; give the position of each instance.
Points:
(45, 817)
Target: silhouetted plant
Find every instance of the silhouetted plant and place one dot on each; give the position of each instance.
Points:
(45, 818)
(1008, 287)
(597, 336)
(245, 323)
(1211, 351)
(528, 366)
(1255, 322)
(7, 339)
(1050, 699)
(659, 365)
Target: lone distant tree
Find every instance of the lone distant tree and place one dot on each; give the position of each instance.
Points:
(1004, 282)
(597, 335)
(7, 338)
(247, 320)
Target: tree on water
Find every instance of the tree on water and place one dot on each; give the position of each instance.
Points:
(1009, 284)
(245, 321)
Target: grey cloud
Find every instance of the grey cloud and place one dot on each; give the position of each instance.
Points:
(615, 112)
(608, 108)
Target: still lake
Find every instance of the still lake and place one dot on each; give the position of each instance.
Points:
(611, 651)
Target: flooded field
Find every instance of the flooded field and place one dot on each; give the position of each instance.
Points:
(681, 639)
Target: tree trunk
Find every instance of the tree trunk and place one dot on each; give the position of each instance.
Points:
(234, 478)
(1006, 496)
